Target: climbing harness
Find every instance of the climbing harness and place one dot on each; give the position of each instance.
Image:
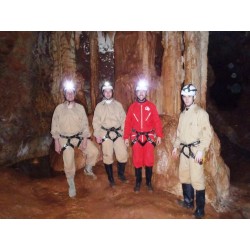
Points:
(109, 130)
(190, 153)
(146, 134)
(68, 143)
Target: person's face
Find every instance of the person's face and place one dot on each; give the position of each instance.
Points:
(188, 100)
(141, 94)
(70, 96)
(108, 93)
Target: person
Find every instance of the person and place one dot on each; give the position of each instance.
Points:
(143, 126)
(70, 128)
(108, 124)
(193, 138)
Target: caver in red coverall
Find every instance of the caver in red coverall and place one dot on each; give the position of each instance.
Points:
(143, 117)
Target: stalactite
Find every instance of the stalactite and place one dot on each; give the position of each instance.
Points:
(94, 81)
(63, 51)
(172, 72)
(195, 55)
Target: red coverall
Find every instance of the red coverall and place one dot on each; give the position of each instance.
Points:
(143, 117)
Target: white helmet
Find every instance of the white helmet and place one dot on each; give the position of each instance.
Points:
(69, 86)
(107, 85)
(189, 90)
(142, 85)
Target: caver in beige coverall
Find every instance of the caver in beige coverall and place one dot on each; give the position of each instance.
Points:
(193, 126)
(68, 122)
(108, 115)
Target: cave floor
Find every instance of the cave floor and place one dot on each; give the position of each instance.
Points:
(25, 197)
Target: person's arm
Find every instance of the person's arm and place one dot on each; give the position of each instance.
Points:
(158, 125)
(55, 130)
(122, 117)
(58, 147)
(205, 136)
(175, 153)
(97, 124)
(177, 140)
(83, 145)
(128, 124)
(85, 131)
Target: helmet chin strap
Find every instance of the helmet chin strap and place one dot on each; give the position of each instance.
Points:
(141, 101)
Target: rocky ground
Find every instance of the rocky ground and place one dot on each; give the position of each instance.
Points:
(25, 194)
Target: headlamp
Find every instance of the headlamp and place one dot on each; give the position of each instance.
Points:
(142, 85)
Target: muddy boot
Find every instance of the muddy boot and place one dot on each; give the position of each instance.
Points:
(109, 171)
(121, 170)
(149, 172)
(72, 189)
(88, 171)
(138, 175)
(200, 204)
(188, 194)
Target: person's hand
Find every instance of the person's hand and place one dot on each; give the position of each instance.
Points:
(58, 147)
(158, 141)
(175, 153)
(198, 156)
(98, 139)
(83, 145)
(126, 141)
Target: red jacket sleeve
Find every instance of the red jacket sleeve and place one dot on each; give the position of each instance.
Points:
(157, 122)
(128, 123)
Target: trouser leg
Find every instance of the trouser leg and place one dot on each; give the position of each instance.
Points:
(149, 172)
(200, 204)
(72, 189)
(121, 170)
(188, 196)
(109, 171)
(138, 176)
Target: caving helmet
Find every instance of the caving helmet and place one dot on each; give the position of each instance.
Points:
(189, 90)
(142, 85)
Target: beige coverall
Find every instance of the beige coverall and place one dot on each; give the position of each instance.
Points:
(69, 122)
(193, 125)
(110, 115)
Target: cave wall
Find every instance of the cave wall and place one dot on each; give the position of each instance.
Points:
(26, 104)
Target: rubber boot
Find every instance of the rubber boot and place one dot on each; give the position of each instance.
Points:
(109, 171)
(188, 195)
(72, 189)
(200, 204)
(121, 170)
(138, 175)
(88, 170)
(149, 172)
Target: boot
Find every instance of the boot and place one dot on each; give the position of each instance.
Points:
(149, 172)
(109, 171)
(200, 204)
(188, 194)
(138, 175)
(88, 171)
(121, 169)
(72, 189)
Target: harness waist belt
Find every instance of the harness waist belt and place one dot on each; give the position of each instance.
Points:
(190, 153)
(148, 139)
(68, 143)
(109, 130)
